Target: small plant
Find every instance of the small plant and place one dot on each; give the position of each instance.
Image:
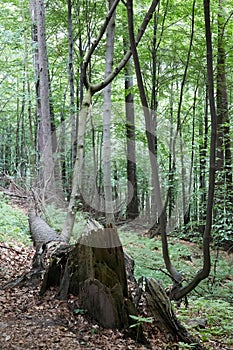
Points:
(78, 311)
(139, 322)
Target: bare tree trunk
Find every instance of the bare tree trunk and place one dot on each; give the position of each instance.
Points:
(36, 79)
(224, 186)
(179, 127)
(151, 146)
(77, 172)
(109, 208)
(132, 192)
(44, 132)
(203, 139)
(204, 272)
(71, 82)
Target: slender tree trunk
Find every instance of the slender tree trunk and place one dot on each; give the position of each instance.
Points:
(151, 145)
(71, 82)
(204, 272)
(171, 188)
(44, 132)
(224, 186)
(224, 163)
(34, 32)
(179, 124)
(154, 107)
(203, 139)
(109, 209)
(132, 191)
(77, 172)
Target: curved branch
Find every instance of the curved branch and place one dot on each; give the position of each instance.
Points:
(96, 43)
(121, 65)
(204, 272)
(151, 145)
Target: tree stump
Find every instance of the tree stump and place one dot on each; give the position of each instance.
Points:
(93, 269)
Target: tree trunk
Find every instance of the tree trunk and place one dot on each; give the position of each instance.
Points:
(78, 167)
(47, 166)
(94, 269)
(224, 187)
(36, 79)
(71, 81)
(151, 146)
(109, 210)
(132, 210)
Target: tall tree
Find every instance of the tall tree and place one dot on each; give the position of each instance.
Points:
(91, 90)
(204, 272)
(151, 144)
(46, 163)
(224, 159)
(132, 210)
(108, 195)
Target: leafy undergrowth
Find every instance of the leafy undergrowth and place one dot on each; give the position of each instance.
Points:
(28, 321)
(211, 303)
(13, 223)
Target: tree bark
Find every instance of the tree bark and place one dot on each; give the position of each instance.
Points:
(160, 308)
(132, 210)
(48, 172)
(109, 210)
(94, 269)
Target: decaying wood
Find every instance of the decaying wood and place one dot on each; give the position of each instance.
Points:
(44, 239)
(94, 269)
(161, 310)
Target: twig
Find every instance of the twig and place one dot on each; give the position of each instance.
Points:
(16, 251)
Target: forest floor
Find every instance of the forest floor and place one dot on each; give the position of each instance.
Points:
(31, 321)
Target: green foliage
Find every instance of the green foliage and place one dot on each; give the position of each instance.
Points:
(223, 222)
(55, 217)
(140, 320)
(78, 311)
(13, 224)
(211, 300)
(186, 346)
(219, 317)
(186, 256)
